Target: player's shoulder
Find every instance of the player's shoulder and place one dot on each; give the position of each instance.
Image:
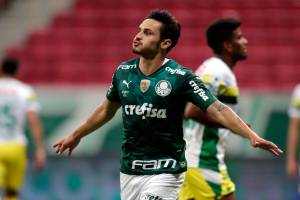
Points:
(215, 67)
(297, 90)
(22, 88)
(128, 65)
(297, 87)
(215, 64)
(16, 83)
(25, 88)
(24, 85)
(174, 68)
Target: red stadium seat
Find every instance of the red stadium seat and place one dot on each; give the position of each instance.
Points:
(86, 43)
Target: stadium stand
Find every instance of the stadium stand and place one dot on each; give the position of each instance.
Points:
(84, 44)
(3, 3)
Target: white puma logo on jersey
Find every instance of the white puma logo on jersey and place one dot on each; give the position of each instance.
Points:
(127, 84)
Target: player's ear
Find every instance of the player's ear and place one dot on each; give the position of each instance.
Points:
(227, 46)
(165, 44)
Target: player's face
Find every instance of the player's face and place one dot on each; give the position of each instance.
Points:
(239, 45)
(147, 40)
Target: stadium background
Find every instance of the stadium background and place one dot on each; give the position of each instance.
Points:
(68, 50)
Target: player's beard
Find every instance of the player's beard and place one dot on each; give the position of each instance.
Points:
(240, 56)
(147, 53)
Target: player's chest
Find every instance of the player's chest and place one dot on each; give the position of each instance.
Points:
(150, 89)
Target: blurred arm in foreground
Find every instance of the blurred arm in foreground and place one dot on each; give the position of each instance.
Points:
(293, 134)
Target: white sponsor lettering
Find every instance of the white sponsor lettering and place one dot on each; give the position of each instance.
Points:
(154, 164)
(127, 66)
(198, 90)
(175, 71)
(146, 110)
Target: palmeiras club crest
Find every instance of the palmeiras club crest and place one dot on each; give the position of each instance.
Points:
(144, 85)
(163, 88)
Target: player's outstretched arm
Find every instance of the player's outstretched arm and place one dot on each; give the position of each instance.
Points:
(292, 148)
(98, 118)
(229, 119)
(193, 112)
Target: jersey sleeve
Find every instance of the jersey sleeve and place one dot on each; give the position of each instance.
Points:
(294, 109)
(197, 93)
(112, 93)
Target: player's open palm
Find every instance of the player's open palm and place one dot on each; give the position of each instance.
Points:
(69, 143)
(266, 145)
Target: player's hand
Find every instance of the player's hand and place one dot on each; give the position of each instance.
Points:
(292, 169)
(69, 143)
(259, 142)
(40, 158)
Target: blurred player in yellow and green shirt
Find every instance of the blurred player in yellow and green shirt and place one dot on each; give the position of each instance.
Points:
(18, 104)
(207, 177)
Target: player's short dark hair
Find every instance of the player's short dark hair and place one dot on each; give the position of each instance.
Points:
(221, 31)
(171, 27)
(10, 66)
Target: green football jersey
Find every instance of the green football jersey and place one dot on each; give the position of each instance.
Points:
(152, 112)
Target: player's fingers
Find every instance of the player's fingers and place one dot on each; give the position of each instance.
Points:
(279, 151)
(57, 148)
(270, 146)
(62, 149)
(276, 148)
(57, 144)
(274, 152)
(70, 151)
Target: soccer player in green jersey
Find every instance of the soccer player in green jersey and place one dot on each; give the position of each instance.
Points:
(152, 91)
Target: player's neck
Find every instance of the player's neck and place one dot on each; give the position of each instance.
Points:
(228, 60)
(2, 75)
(148, 66)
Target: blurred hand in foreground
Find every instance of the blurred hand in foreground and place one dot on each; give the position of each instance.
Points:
(69, 143)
